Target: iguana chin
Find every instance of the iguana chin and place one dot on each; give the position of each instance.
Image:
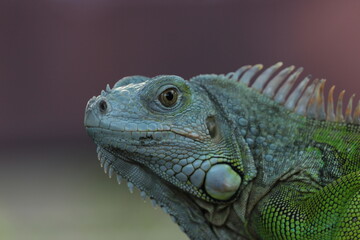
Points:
(246, 155)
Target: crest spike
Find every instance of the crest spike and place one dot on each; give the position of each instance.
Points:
(249, 74)
(320, 101)
(348, 111)
(265, 76)
(339, 115)
(275, 82)
(230, 75)
(356, 117)
(303, 102)
(330, 116)
(280, 96)
(235, 75)
(316, 107)
(296, 94)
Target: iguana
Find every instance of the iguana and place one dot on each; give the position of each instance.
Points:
(246, 155)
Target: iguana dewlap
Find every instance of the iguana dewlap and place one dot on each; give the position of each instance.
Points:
(246, 155)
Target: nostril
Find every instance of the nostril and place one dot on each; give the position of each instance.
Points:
(103, 106)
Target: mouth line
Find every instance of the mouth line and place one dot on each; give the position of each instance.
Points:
(173, 133)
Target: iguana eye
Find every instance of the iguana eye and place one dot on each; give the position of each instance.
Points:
(169, 97)
(103, 106)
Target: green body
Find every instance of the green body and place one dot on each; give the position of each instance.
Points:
(294, 177)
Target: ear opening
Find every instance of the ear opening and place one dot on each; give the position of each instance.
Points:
(212, 125)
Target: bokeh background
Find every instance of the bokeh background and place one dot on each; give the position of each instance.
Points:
(56, 54)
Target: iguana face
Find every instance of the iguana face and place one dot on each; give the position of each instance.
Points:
(165, 130)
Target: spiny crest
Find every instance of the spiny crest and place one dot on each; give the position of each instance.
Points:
(307, 98)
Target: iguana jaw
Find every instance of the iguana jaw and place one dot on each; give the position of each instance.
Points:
(173, 201)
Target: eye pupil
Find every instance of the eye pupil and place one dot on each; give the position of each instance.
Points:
(169, 97)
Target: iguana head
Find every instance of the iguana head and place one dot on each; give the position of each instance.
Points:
(165, 136)
(201, 147)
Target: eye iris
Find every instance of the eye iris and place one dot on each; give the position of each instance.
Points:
(168, 97)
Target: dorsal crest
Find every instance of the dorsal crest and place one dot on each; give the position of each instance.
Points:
(304, 98)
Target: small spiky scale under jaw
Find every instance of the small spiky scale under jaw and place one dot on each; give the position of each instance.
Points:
(217, 152)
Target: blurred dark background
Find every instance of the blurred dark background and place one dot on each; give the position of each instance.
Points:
(56, 54)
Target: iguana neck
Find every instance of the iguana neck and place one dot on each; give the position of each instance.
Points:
(269, 130)
(285, 145)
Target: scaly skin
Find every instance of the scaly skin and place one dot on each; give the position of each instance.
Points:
(228, 162)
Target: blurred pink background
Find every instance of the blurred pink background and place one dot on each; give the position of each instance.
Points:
(56, 54)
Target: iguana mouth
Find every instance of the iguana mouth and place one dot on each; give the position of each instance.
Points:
(136, 135)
